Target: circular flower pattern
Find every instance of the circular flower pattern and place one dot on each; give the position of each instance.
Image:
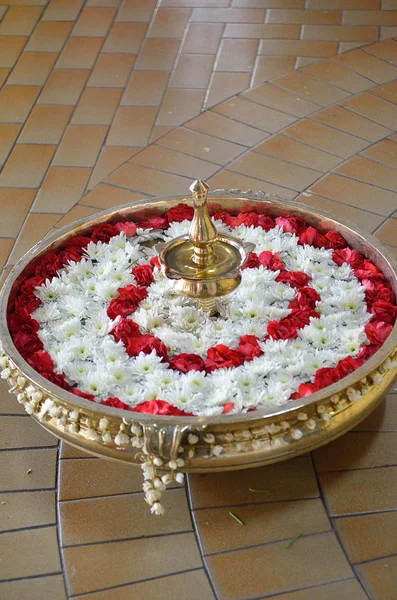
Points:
(100, 319)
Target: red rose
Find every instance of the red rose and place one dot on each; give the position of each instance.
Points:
(378, 331)
(305, 389)
(187, 362)
(146, 344)
(21, 321)
(159, 407)
(384, 311)
(346, 366)
(127, 302)
(378, 292)
(220, 357)
(79, 243)
(282, 330)
(68, 255)
(59, 380)
(48, 266)
(335, 239)
(325, 377)
(291, 224)
(155, 262)
(27, 301)
(228, 407)
(249, 348)
(180, 213)
(252, 262)
(347, 255)
(155, 223)
(41, 361)
(124, 330)
(294, 278)
(307, 297)
(271, 261)
(127, 227)
(116, 403)
(143, 274)
(226, 218)
(368, 271)
(266, 222)
(312, 237)
(103, 233)
(300, 317)
(248, 219)
(27, 343)
(81, 394)
(367, 352)
(29, 285)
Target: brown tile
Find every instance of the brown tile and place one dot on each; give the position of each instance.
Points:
(94, 21)
(347, 46)
(10, 48)
(135, 10)
(268, 67)
(66, 451)
(132, 126)
(80, 146)
(237, 55)
(367, 537)
(338, 75)
(192, 71)
(369, 17)
(366, 490)
(325, 138)
(64, 86)
(384, 152)
(169, 22)
(264, 523)
(289, 480)
(145, 88)
(125, 37)
(158, 54)
(368, 65)
(62, 10)
(388, 92)
(371, 172)
(300, 154)
(175, 585)
(61, 189)
(33, 563)
(33, 68)
(79, 53)
(262, 32)
(132, 521)
(97, 106)
(316, 17)
(178, 106)
(14, 467)
(89, 570)
(26, 165)
(20, 20)
(19, 432)
(254, 114)
(202, 38)
(229, 180)
(356, 194)
(342, 590)
(227, 129)
(46, 124)
(27, 509)
(3, 75)
(303, 61)
(3, 10)
(6, 245)
(379, 577)
(49, 36)
(197, 3)
(348, 121)
(386, 50)
(388, 4)
(202, 146)
(164, 159)
(34, 229)
(387, 233)
(228, 15)
(39, 588)
(341, 33)
(20, 200)
(8, 134)
(110, 159)
(383, 418)
(226, 85)
(342, 212)
(311, 88)
(111, 70)
(311, 560)
(16, 102)
(275, 97)
(148, 181)
(297, 48)
(76, 213)
(353, 4)
(106, 196)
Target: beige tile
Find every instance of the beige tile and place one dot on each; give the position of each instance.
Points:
(35, 160)
(97, 106)
(94, 21)
(45, 125)
(34, 562)
(379, 577)
(341, 33)
(368, 171)
(173, 586)
(158, 132)
(164, 159)
(200, 145)
(384, 152)
(197, 3)
(291, 47)
(315, 17)
(169, 22)
(202, 38)
(256, 115)
(14, 205)
(8, 402)
(311, 88)
(387, 233)
(27, 509)
(368, 536)
(353, 4)
(76, 213)
(106, 196)
(342, 590)
(110, 159)
(39, 588)
(145, 88)
(132, 126)
(10, 48)
(228, 15)
(179, 105)
(192, 71)
(237, 55)
(262, 32)
(387, 91)
(158, 54)
(268, 67)
(3, 75)
(383, 418)
(14, 467)
(325, 138)
(135, 10)
(8, 134)
(62, 10)
(300, 154)
(311, 560)
(19, 432)
(385, 50)
(20, 20)
(33, 68)
(111, 70)
(348, 121)
(34, 229)
(49, 36)
(125, 37)
(225, 85)
(293, 479)
(369, 17)
(61, 189)
(64, 86)
(79, 53)
(67, 451)
(6, 245)
(368, 65)
(80, 146)
(214, 124)
(275, 97)
(148, 181)
(229, 180)
(338, 75)
(16, 102)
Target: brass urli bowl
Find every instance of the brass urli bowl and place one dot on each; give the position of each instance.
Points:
(219, 443)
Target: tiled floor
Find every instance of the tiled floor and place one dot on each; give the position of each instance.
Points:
(105, 102)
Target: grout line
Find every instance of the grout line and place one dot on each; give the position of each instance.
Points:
(48, 447)
(28, 528)
(128, 539)
(365, 513)
(253, 503)
(31, 577)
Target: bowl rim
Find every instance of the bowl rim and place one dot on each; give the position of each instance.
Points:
(67, 397)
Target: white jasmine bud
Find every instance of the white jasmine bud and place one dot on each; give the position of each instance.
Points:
(209, 438)
(180, 478)
(157, 461)
(158, 484)
(296, 434)
(180, 462)
(172, 465)
(157, 509)
(103, 423)
(167, 478)
(192, 439)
